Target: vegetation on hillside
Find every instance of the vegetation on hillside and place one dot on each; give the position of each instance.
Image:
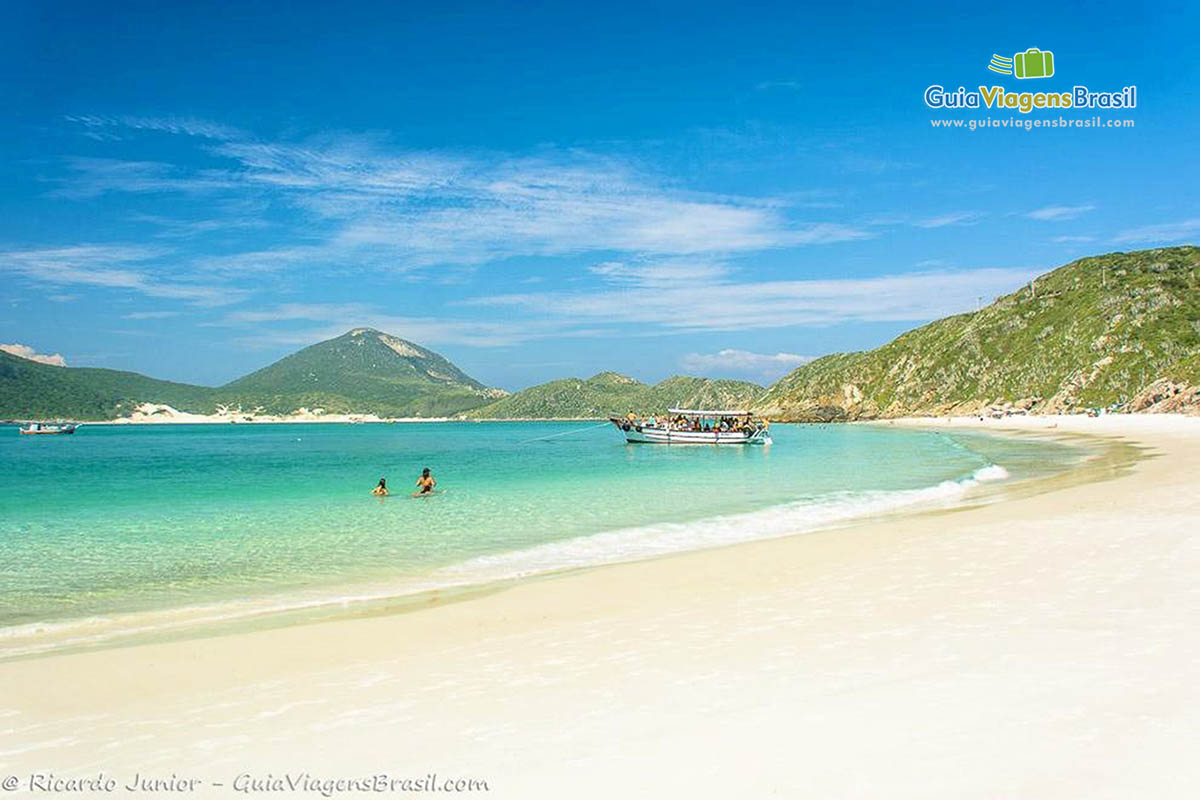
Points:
(1095, 332)
(363, 371)
(29, 390)
(610, 393)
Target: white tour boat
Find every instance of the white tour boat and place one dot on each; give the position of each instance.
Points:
(695, 426)
(49, 428)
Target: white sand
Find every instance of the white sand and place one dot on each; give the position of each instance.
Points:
(1045, 647)
(160, 414)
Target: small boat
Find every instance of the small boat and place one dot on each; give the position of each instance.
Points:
(48, 428)
(695, 426)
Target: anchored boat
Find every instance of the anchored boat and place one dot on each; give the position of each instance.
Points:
(49, 428)
(695, 426)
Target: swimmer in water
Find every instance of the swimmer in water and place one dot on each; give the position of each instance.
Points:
(380, 489)
(425, 483)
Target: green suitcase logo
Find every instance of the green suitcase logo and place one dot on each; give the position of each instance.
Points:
(1033, 63)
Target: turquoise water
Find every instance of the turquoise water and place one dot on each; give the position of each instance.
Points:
(117, 524)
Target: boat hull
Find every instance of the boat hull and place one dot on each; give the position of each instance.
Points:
(637, 434)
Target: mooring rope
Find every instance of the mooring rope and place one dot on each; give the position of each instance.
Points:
(564, 433)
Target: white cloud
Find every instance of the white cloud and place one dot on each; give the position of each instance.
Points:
(139, 315)
(92, 177)
(169, 228)
(674, 297)
(857, 162)
(660, 274)
(725, 306)
(1165, 233)
(27, 352)
(769, 366)
(186, 126)
(319, 312)
(113, 267)
(337, 318)
(385, 208)
(1055, 213)
(954, 218)
(1073, 239)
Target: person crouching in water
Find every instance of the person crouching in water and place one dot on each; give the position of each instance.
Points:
(425, 483)
(380, 489)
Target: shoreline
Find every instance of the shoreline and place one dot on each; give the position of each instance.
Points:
(352, 599)
(998, 649)
(174, 417)
(184, 418)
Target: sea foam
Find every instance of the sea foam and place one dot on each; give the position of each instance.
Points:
(648, 541)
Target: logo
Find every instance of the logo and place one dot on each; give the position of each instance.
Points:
(1033, 63)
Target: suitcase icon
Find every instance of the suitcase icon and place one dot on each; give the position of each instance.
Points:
(1033, 63)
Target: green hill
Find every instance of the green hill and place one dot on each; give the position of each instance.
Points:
(1117, 328)
(363, 371)
(29, 390)
(609, 393)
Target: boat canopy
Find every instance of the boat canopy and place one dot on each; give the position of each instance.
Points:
(692, 412)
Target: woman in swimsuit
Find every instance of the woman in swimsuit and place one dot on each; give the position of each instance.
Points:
(380, 489)
(425, 483)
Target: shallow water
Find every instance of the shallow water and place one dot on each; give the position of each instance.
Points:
(122, 525)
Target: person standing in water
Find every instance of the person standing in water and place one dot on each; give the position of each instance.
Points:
(425, 483)
(380, 489)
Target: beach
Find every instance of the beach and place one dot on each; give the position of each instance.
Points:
(1041, 646)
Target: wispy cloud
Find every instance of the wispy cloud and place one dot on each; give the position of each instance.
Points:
(873, 165)
(92, 177)
(728, 305)
(186, 126)
(111, 267)
(382, 207)
(1072, 239)
(1056, 213)
(433, 331)
(954, 218)
(274, 326)
(140, 315)
(1165, 233)
(768, 366)
(27, 352)
(171, 228)
(660, 274)
(319, 312)
(765, 86)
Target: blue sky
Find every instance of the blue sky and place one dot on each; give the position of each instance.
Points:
(536, 192)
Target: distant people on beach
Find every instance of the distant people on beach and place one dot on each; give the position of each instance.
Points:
(380, 489)
(425, 483)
